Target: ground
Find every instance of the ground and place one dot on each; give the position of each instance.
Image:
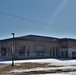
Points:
(40, 67)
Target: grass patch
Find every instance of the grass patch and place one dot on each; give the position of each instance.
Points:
(54, 66)
(43, 72)
(33, 65)
(23, 65)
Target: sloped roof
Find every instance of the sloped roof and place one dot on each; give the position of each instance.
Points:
(33, 38)
(38, 38)
(68, 39)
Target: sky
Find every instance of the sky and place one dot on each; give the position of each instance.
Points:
(58, 16)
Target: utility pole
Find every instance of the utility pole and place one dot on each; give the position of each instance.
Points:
(13, 50)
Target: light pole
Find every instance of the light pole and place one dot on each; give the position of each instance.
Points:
(13, 50)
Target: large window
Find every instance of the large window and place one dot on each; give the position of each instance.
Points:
(10, 50)
(62, 53)
(53, 51)
(21, 50)
(50, 51)
(28, 50)
(66, 53)
(73, 54)
(56, 51)
(40, 50)
(3, 50)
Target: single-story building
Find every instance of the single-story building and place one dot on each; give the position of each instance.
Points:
(34, 46)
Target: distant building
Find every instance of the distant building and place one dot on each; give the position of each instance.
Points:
(33, 46)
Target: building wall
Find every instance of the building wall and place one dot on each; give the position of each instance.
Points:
(68, 46)
(26, 44)
(47, 52)
(72, 52)
(38, 47)
(71, 43)
(48, 47)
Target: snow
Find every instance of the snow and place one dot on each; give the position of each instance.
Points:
(65, 64)
(28, 70)
(60, 62)
(70, 73)
(43, 69)
(53, 74)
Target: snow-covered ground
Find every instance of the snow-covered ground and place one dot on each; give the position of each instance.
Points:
(65, 64)
(58, 62)
(52, 61)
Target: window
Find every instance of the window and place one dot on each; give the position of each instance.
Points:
(73, 47)
(3, 50)
(56, 51)
(9, 50)
(50, 51)
(66, 53)
(40, 50)
(53, 51)
(28, 50)
(63, 46)
(21, 50)
(62, 53)
(73, 53)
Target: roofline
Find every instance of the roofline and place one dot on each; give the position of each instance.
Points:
(68, 39)
(29, 35)
(19, 38)
(43, 36)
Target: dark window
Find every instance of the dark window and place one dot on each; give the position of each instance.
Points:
(50, 51)
(21, 50)
(28, 50)
(62, 53)
(3, 50)
(40, 50)
(53, 51)
(66, 53)
(9, 50)
(73, 54)
(63, 46)
(56, 51)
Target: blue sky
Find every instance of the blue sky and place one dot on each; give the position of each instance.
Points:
(59, 14)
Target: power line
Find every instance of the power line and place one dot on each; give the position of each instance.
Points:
(23, 18)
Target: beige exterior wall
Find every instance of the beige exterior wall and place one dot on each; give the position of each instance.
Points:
(71, 44)
(32, 45)
(51, 48)
(67, 47)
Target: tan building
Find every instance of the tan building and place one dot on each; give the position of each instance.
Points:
(33, 46)
(68, 47)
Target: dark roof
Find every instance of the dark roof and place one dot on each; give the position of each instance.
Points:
(68, 39)
(42, 36)
(38, 38)
(32, 38)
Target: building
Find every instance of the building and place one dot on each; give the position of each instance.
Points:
(34, 46)
(68, 47)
